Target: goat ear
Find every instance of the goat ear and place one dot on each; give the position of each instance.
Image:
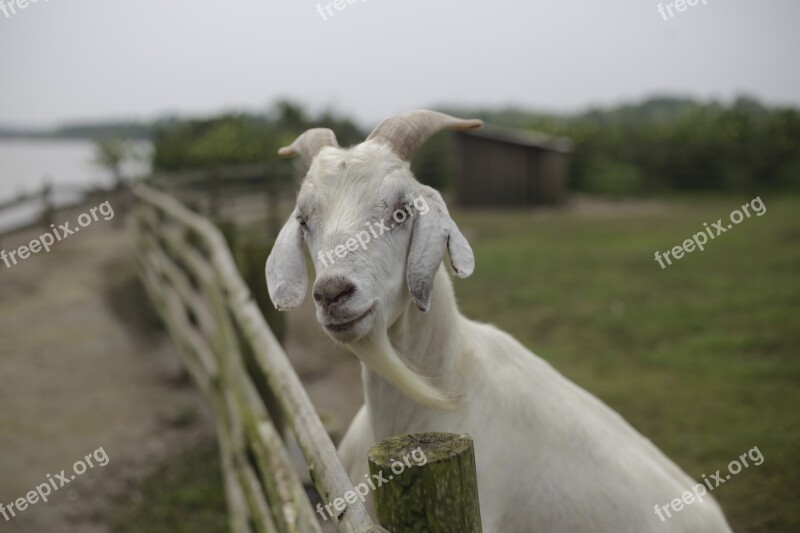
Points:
(432, 233)
(287, 279)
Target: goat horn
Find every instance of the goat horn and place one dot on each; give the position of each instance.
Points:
(308, 145)
(406, 132)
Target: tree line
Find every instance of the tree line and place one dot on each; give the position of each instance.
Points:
(672, 144)
(655, 146)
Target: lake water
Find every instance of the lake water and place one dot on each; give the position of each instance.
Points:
(26, 164)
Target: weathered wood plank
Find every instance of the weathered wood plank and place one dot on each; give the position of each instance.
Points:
(283, 488)
(238, 514)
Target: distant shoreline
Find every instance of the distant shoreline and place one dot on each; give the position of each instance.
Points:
(56, 136)
(87, 131)
(67, 163)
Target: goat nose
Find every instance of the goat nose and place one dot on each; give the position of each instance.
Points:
(333, 290)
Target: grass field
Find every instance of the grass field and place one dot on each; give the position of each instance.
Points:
(186, 496)
(701, 357)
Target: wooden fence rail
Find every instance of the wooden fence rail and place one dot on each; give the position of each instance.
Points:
(49, 199)
(190, 275)
(43, 197)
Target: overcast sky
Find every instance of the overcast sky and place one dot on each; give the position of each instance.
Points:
(91, 59)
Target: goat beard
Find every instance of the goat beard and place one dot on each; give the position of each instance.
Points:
(375, 350)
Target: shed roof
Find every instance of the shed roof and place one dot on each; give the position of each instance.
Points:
(526, 138)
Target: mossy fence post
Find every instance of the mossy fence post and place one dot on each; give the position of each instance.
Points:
(430, 483)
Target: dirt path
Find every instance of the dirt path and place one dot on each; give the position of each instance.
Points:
(73, 379)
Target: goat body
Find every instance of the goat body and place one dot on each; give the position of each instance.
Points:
(550, 456)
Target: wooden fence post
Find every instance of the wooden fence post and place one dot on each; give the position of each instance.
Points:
(430, 483)
(215, 195)
(48, 205)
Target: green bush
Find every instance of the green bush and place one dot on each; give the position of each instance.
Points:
(614, 178)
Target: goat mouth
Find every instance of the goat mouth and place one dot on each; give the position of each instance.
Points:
(344, 326)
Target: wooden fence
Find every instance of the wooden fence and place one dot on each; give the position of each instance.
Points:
(46, 203)
(208, 188)
(190, 275)
(43, 197)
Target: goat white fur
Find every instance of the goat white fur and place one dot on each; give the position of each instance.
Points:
(550, 456)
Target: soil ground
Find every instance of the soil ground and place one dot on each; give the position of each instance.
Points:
(77, 375)
(74, 379)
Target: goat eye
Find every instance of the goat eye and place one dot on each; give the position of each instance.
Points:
(302, 221)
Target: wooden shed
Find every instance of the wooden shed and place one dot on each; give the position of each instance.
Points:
(507, 167)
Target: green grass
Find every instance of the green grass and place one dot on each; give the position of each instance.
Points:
(185, 496)
(701, 357)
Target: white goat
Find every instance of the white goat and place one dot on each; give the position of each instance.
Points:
(550, 456)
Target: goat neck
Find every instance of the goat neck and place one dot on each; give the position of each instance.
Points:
(432, 343)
